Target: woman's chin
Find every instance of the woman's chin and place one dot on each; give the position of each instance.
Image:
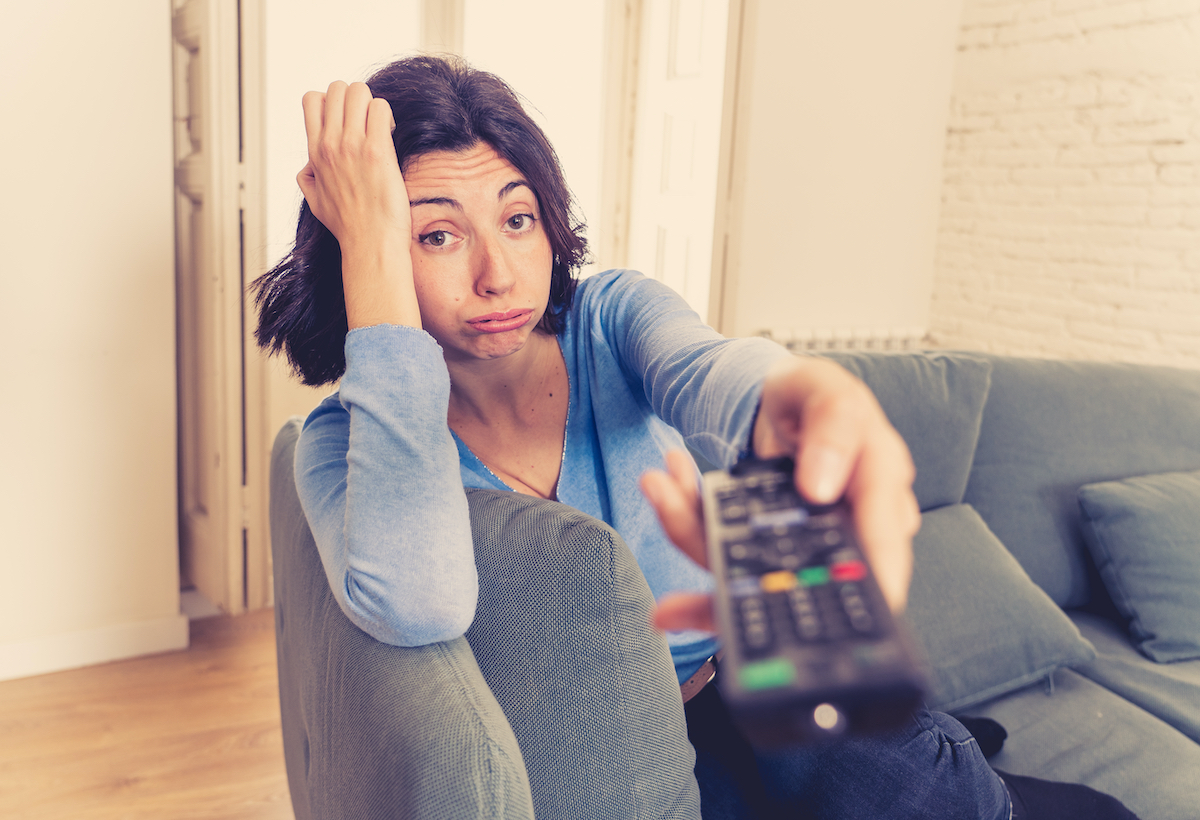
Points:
(493, 346)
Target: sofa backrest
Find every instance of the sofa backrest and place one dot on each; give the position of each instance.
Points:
(1051, 426)
(935, 401)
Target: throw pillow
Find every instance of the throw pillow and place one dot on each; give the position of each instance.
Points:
(1144, 534)
(986, 628)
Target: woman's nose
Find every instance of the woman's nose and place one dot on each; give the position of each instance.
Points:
(493, 270)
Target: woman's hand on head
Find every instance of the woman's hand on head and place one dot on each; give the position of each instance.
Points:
(353, 185)
(843, 445)
(352, 181)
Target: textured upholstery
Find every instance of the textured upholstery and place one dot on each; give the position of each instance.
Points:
(1050, 427)
(561, 636)
(564, 631)
(1006, 632)
(372, 731)
(1086, 733)
(1169, 691)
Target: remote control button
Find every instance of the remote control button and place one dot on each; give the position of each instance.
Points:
(754, 618)
(778, 520)
(745, 585)
(777, 501)
(844, 556)
(752, 610)
(814, 576)
(862, 622)
(757, 636)
(733, 512)
(768, 674)
(778, 581)
(823, 520)
(808, 627)
(753, 604)
(799, 598)
(740, 552)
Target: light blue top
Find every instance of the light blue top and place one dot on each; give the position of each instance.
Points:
(381, 476)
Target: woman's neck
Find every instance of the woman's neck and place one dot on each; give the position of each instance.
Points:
(508, 391)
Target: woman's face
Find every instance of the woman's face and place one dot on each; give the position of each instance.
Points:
(481, 257)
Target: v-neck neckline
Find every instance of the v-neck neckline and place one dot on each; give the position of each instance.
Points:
(562, 460)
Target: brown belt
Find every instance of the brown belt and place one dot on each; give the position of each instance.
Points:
(704, 675)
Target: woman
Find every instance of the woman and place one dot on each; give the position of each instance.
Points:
(433, 274)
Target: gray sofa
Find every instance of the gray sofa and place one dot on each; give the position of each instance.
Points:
(1057, 590)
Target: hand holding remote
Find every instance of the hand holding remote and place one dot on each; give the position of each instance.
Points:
(811, 648)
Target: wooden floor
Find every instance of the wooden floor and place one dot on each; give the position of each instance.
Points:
(191, 734)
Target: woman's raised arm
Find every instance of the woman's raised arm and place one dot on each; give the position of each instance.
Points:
(352, 183)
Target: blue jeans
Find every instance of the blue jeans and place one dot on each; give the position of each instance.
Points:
(931, 769)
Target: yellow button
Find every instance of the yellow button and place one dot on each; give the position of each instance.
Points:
(778, 581)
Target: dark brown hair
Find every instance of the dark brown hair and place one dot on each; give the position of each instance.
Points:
(440, 104)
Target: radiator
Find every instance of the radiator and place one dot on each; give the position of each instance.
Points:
(816, 340)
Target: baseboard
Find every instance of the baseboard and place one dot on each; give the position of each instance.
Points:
(54, 653)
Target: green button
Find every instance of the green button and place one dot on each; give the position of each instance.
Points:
(767, 674)
(814, 576)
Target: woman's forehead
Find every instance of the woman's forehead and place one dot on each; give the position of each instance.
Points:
(478, 165)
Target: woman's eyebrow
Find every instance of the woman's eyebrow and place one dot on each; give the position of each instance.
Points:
(456, 205)
(510, 187)
(437, 200)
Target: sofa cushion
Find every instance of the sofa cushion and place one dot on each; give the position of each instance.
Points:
(935, 401)
(1050, 427)
(1169, 691)
(987, 629)
(1080, 732)
(1144, 534)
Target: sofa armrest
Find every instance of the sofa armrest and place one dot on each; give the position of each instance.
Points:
(585, 699)
(372, 730)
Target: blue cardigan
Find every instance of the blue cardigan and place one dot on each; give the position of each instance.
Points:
(381, 476)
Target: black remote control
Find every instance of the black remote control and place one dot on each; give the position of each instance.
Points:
(811, 650)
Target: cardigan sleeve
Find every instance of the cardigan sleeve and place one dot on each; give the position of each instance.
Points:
(378, 477)
(704, 385)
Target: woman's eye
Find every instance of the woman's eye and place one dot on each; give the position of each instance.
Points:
(520, 222)
(436, 238)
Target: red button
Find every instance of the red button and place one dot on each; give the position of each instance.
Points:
(848, 571)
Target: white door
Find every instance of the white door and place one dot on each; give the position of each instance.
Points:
(222, 498)
(677, 141)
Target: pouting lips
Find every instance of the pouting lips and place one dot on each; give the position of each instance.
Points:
(500, 322)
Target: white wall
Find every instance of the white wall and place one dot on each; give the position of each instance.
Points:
(839, 139)
(306, 49)
(1071, 221)
(87, 488)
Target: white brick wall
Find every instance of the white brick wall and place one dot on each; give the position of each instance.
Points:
(1070, 221)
